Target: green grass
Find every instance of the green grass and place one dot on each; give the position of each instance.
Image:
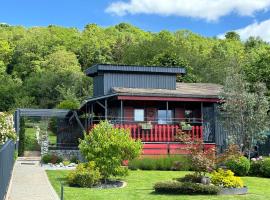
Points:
(30, 140)
(140, 184)
(52, 138)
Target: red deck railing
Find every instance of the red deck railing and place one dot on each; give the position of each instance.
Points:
(159, 132)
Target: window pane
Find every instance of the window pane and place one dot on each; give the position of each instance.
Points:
(139, 115)
(162, 117)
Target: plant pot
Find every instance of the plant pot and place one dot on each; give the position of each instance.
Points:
(187, 128)
(233, 191)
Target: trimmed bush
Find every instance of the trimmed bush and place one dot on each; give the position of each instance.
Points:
(74, 159)
(265, 167)
(175, 187)
(177, 163)
(240, 166)
(255, 168)
(51, 158)
(85, 175)
(192, 178)
(226, 178)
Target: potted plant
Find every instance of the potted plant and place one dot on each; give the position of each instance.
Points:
(185, 126)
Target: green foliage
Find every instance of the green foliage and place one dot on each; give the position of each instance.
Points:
(108, 147)
(21, 137)
(240, 166)
(51, 158)
(68, 104)
(265, 167)
(85, 175)
(7, 131)
(255, 168)
(175, 187)
(177, 163)
(226, 178)
(192, 178)
(74, 159)
(245, 105)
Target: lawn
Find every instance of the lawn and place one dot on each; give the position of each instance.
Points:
(140, 184)
(31, 140)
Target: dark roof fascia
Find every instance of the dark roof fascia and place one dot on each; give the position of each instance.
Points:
(25, 112)
(96, 99)
(169, 95)
(91, 71)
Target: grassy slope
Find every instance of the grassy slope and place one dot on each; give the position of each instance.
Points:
(140, 184)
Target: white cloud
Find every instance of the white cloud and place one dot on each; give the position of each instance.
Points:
(261, 29)
(210, 10)
(255, 29)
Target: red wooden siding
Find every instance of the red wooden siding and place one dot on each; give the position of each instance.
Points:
(169, 148)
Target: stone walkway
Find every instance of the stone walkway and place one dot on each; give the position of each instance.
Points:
(30, 182)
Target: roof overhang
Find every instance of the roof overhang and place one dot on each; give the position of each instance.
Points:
(159, 98)
(92, 71)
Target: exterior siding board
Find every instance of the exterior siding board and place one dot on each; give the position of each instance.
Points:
(98, 85)
(136, 80)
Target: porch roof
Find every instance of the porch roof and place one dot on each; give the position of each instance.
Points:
(184, 90)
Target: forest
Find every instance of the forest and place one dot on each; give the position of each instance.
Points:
(43, 67)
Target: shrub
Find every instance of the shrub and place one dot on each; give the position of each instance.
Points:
(265, 167)
(69, 104)
(240, 166)
(46, 158)
(74, 159)
(192, 178)
(51, 158)
(66, 162)
(255, 168)
(108, 147)
(226, 178)
(176, 163)
(175, 187)
(85, 175)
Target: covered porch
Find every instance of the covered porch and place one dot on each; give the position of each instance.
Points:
(153, 120)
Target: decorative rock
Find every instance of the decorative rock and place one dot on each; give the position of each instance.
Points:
(205, 180)
(233, 191)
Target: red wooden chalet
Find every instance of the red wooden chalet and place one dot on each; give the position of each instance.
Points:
(151, 104)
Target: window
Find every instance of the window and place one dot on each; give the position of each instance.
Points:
(139, 115)
(162, 119)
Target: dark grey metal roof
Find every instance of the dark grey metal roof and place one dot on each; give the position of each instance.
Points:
(91, 71)
(43, 112)
(186, 90)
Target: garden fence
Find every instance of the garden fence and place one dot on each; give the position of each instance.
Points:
(6, 166)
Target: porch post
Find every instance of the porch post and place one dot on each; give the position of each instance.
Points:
(92, 113)
(121, 111)
(167, 108)
(86, 117)
(106, 109)
(202, 112)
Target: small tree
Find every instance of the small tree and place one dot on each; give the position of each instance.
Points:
(108, 147)
(244, 111)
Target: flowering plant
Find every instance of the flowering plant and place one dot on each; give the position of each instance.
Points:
(7, 130)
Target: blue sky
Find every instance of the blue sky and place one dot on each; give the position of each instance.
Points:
(206, 17)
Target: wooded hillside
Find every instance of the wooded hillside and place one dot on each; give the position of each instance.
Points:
(42, 66)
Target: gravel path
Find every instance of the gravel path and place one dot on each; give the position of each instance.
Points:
(30, 182)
